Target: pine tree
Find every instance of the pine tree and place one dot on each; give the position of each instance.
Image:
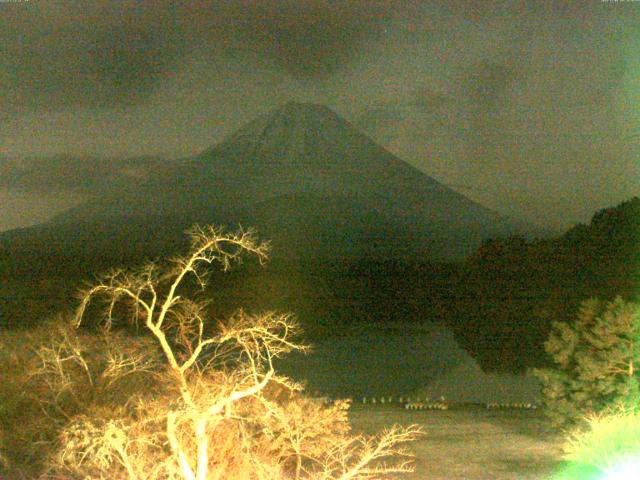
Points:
(596, 361)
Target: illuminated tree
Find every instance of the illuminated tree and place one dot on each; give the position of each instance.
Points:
(216, 407)
(597, 361)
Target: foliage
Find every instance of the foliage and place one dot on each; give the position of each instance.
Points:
(596, 361)
(607, 447)
(190, 401)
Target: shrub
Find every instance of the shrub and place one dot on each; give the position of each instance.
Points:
(53, 373)
(192, 401)
(596, 361)
(607, 448)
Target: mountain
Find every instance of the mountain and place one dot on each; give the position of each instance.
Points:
(305, 178)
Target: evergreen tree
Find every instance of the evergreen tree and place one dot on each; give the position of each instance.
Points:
(596, 361)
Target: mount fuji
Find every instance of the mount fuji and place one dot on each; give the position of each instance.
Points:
(305, 177)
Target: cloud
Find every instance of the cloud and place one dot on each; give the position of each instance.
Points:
(104, 53)
(528, 113)
(62, 175)
(531, 106)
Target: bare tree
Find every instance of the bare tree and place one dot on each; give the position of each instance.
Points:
(221, 410)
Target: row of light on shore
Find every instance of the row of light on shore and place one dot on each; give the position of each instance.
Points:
(426, 406)
(440, 404)
(426, 403)
(525, 405)
(402, 400)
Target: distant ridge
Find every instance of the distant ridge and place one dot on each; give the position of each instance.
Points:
(309, 180)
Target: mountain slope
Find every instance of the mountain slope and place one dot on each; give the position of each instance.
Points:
(303, 169)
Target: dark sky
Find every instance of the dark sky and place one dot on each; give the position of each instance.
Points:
(532, 108)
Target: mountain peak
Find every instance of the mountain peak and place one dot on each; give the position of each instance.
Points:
(290, 133)
(303, 114)
(297, 104)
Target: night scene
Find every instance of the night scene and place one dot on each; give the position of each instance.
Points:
(320, 240)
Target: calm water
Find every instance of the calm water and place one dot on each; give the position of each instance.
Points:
(401, 361)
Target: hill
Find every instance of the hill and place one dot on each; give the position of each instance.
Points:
(512, 289)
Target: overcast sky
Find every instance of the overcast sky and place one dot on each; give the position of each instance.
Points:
(531, 108)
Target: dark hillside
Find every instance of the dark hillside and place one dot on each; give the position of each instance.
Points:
(513, 288)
